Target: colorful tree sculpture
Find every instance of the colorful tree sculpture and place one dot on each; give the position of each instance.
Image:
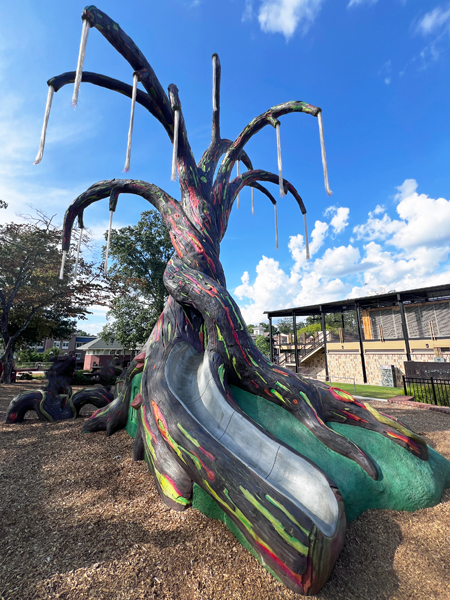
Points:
(57, 401)
(190, 427)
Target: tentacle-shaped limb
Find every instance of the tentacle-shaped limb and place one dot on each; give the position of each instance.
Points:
(112, 188)
(22, 403)
(114, 416)
(270, 117)
(211, 158)
(97, 396)
(343, 408)
(248, 178)
(108, 83)
(263, 190)
(133, 55)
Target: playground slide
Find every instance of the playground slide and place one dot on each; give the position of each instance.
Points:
(191, 380)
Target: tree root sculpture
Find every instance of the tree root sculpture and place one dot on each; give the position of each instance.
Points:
(57, 402)
(190, 427)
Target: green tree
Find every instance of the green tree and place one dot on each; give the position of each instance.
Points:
(34, 302)
(139, 257)
(263, 344)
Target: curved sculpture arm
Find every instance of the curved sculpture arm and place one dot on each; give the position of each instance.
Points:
(211, 158)
(112, 188)
(270, 117)
(109, 83)
(133, 55)
(264, 190)
(250, 177)
(161, 105)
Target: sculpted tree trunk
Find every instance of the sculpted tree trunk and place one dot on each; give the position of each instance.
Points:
(190, 427)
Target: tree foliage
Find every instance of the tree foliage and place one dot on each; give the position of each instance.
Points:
(263, 344)
(34, 302)
(139, 257)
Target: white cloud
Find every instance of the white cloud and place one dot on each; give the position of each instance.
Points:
(437, 19)
(408, 187)
(284, 16)
(419, 257)
(340, 217)
(423, 221)
(376, 229)
(427, 221)
(359, 2)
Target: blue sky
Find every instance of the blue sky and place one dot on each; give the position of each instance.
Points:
(378, 69)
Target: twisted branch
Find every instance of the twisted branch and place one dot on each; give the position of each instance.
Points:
(270, 117)
(249, 178)
(112, 188)
(109, 83)
(161, 106)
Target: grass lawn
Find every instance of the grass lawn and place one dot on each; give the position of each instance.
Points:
(370, 391)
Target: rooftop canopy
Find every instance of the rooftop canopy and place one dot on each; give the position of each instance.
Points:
(392, 298)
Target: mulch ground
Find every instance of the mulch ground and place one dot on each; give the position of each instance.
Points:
(80, 520)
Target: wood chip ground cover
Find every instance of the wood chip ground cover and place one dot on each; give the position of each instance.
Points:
(80, 520)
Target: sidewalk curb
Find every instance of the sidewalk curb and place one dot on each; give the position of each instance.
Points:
(420, 405)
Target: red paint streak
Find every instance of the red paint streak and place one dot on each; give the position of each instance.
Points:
(175, 245)
(161, 423)
(147, 426)
(13, 416)
(346, 397)
(202, 288)
(295, 401)
(255, 384)
(355, 418)
(405, 439)
(206, 453)
(172, 483)
(210, 474)
(282, 372)
(297, 579)
(268, 393)
(174, 227)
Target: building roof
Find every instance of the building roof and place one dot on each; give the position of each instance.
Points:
(438, 292)
(99, 344)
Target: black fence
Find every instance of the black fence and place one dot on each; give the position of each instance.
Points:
(428, 390)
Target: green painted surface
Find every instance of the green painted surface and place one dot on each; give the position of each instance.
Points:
(405, 482)
(132, 422)
(203, 502)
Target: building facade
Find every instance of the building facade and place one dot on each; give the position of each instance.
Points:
(364, 338)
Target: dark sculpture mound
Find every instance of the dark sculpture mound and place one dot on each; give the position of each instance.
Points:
(56, 401)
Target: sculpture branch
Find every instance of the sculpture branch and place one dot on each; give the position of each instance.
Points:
(108, 83)
(269, 117)
(248, 178)
(211, 158)
(112, 188)
(133, 55)
(161, 105)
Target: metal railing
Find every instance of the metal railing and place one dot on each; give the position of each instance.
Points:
(33, 366)
(428, 390)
